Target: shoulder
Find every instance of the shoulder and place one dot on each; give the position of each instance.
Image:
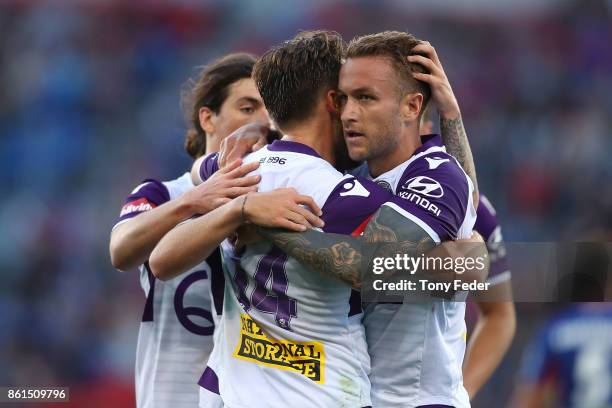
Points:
(209, 165)
(486, 218)
(147, 195)
(179, 185)
(434, 175)
(435, 188)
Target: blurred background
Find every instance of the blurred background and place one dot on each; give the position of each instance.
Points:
(90, 106)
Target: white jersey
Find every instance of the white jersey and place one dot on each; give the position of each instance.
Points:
(417, 348)
(176, 332)
(286, 336)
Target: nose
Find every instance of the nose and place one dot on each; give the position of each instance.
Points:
(349, 111)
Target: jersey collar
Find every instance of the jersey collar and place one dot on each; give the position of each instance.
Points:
(290, 146)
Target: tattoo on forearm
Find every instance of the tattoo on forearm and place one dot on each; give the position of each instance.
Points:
(456, 141)
(349, 258)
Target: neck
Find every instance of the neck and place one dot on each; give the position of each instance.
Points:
(409, 141)
(316, 132)
(212, 145)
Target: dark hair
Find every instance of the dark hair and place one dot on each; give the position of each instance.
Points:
(211, 90)
(292, 76)
(396, 46)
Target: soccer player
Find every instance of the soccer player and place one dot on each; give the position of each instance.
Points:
(496, 323)
(277, 305)
(175, 337)
(568, 363)
(416, 348)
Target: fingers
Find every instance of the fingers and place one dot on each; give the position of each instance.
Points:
(231, 167)
(423, 77)
(246, 181)
(426, 48)
(312, 219)
(234, 192)
(427, 63)
(260, 143)
(224, 150)
(308, 201)
(290, 225)
(243, 170)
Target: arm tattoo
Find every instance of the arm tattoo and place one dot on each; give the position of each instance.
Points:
(456, 141)
(350, 258)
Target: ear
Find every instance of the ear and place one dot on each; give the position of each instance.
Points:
(331, 102)
(207, 119)
(411, 105)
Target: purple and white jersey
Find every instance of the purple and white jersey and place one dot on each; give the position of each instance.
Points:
(286, 336)
(176, 332)
(417, 348)
(488, 226)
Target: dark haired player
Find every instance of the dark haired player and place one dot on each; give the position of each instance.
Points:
(176, 333)
(287, 331)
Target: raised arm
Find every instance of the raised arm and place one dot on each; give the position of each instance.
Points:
(193, 241)
(451, 125)
(133, 240)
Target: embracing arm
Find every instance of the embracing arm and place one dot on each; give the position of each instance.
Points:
(131, 243)
(192, 242)
(348, 258)
(491, 337)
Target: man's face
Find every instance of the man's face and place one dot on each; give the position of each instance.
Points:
(370, 107)
(243, 105)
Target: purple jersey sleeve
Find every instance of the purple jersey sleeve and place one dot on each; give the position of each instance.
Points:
(435, 191)
(349, 207)
(150, 194)
(488, 226)
(209, 166)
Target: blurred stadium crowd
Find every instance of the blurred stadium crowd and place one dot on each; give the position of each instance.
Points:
(91, 105)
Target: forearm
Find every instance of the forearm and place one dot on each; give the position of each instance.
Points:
(456, 142)
(131, 243)
(192, 242)
(488, 344)
(349, 258)
(339, 256)
(473, 256)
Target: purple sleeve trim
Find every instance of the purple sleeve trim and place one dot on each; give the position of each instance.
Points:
(209, 380)
(209, 166)
(352, 201)
(152, 193)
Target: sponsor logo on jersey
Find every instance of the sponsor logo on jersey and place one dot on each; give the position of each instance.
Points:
(136, 206)
(421, 202)
(306, 358)
(435, 162)
(425, 186)
(353, 187)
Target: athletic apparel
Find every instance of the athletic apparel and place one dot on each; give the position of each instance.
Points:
(574, 350)
(287, 334)
(417, 348)
(488, 226)
(176, 332)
